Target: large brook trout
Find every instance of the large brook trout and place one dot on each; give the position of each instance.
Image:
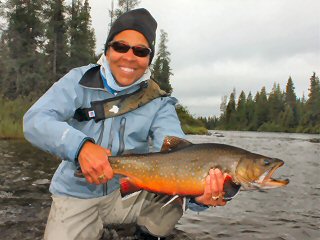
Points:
(181, 168)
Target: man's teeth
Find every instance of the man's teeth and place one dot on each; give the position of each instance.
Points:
(126, 69)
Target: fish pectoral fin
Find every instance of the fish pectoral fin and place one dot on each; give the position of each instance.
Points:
(184, 204)
(170, 201)
(173, 143)
(230, 188)
(127, 187)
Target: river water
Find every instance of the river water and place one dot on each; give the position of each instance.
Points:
(288, 213)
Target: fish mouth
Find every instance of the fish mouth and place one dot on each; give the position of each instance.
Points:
(266, 180)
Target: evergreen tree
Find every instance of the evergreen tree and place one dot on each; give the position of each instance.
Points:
(314, 93)
(250, 111)
(241, 112)
(275, 103)
(287, 120)
(161, 70)
(4, 63)
(280, 111)
(123, 6)
(261, 109)
(24, 39)
(291, 101)
(82, 39)
(312, 117)
(56, 47)
(301, 108)
(223, 109)
(209, 122)
(231, 112)
(291, 98)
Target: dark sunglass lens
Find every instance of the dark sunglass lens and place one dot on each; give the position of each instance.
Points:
(120, 47)
(141, 51)
(137, 50)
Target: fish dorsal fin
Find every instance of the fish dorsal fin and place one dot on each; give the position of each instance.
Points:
(171, 143)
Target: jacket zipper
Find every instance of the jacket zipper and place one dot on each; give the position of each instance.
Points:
(121, 136)
(99, 143)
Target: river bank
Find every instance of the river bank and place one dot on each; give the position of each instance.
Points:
(11, 114)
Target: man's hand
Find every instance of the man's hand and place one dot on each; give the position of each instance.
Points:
(94, 163)
(213, 192)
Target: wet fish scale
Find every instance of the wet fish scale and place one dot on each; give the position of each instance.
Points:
(182, 170)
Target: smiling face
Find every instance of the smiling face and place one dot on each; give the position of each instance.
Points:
(127, 68)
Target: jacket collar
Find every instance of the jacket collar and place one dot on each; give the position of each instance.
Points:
(92, 78)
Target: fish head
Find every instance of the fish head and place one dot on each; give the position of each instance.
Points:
(255, 172)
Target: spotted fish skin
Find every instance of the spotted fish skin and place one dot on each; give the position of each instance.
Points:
(181, 167)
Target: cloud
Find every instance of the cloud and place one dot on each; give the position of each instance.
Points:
(196, 86)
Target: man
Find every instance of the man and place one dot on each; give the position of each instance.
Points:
(74, 121)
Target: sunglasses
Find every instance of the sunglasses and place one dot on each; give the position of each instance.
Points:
(121, 47)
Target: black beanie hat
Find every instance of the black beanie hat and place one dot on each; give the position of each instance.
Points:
(139, 20)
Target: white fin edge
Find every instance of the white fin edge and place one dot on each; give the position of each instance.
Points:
(184, 204)
(131, 195)
(170, 201)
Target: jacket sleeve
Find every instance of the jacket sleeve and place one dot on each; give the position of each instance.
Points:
(45, 124)
(165, 123)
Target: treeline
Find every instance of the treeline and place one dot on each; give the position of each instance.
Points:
(279, 111)
(40, 41)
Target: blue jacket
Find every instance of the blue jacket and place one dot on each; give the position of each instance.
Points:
(50, 126)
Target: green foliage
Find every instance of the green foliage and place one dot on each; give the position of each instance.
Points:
(209, 122)
(11, 114)
(23, 45)
(278, 111)
(261, 110)
(4, 58)
(291, 102)
(82, 39)
(230, 116)
(270, 127)
(161, 70)
(241, 116)
(56, 46)
(313, 103)
(249, 110)
(123, 6)
(276, 103)
(39, 44)
(287, 120)
(189, 124)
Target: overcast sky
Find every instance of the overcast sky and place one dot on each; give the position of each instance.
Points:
(218, 45)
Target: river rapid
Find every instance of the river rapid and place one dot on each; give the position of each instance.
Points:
(288, 213)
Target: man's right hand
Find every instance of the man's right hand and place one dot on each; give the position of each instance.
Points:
(94, 163)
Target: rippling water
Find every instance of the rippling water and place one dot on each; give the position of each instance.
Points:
(288, 213)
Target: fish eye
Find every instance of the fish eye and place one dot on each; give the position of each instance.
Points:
(266, 162)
